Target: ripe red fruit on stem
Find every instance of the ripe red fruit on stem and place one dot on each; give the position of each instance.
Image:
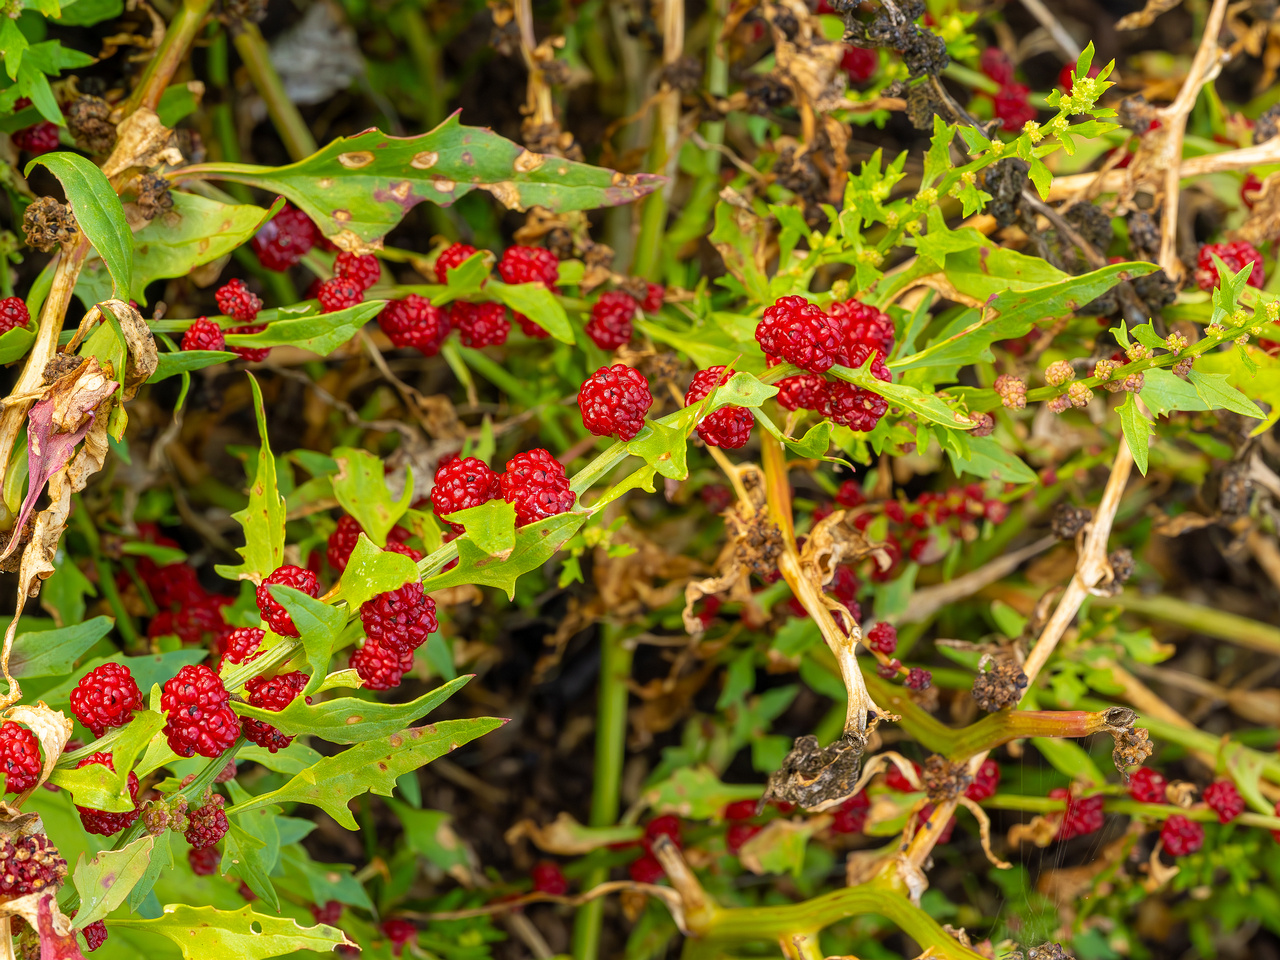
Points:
(614, 401)
(363, 270)
(450, 257)
(204, 862)
(861, 323)
(400, 932)
(206, 825)
(461, 483)
(1224, 799)
(203, 334)
(237, 301)
(19, 757)
(851, 816)
(799, 332)
(529, 265)
(536, 484)
(549, 878)
(106, 697)
(13, 314)
(289, 576)
(400, 619)
(274, 694)
(646, 869)
(610, 325)
(808, 391)
(102, 822)
(480, 324)
(1147, 786)
(740, 810)
(95, 935)
(985, 782)
(380, 667)
(1083, 815)
(415, 322)
(883, 637)
(1234, 256)
(284, 238)
(1181, 836)
(859, 64)
(996, 65)
(200, 719)
(738, 834)
(729, 427)
(338, 294)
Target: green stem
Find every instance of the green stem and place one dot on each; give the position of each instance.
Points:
(611, 733)
(106, 579)
(170, 55)
(1132, 808)
(424, 50)
(224, 124)
(1200, 619)
(284, 114)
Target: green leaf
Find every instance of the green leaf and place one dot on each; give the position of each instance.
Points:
(741, 390)
(1071, 759)
(253, 846)
(160, 862)
(349, 719)
(696, 793)
(360, 187)
(321, 333)
(490, 526)
(537, 303)
(106, 880)
(96, 785)
(372, 766)
(988, 458)
(371, 571)
(318, 624)
(15, 343)
(536, 543)
(360, 485)
(467, 277)
(50, 653)
(741, 238)
(206, 932)
(1163, 392)
(263, 518)
(1214, 389)
(1137, 431)
(98, 211)
(926, 405)
(665, 446)
(429, 833)
(176, 102)
(779, 847)
(184, 361)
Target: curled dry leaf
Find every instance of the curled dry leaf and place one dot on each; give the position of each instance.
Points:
(40, 911)
(818, 778)
(1147, 15)
(142, 142)
(565, 836)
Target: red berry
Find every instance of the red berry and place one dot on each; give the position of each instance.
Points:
(850, 495)
(328, 914)
(480, 324)
(666, 825)
(463, 483)
(529, 265)
(1250, 189)
(740, 810)
(400, 619)
(646, 869)
(856, 354)
(237, 301)
(381, 668)
(611, 316)
(654, 295)
(452, 256)
(549, 878)
(729, 427)
(1147, 786)
(808, 391)
(614, 401)
(37, 139)
(984, 782)
(895, 779)
(250, 354)
(736, 837)
(883, 637)
(1013, 107)
(241, 645)
(400, 932)
(194, 623)
(919, 679)
(851, 816)
(203, 334)
(199, 717)
(106, 697)
(530, 328)
(995, 510)
(859, 64)
(102, 822)
(362, 269)
(19, 757)
(1181, 836)
(284, 238)
(342, 541)
(997, 65)
(274, 694)
(32, 864)
(338, 294)
(170, 584)
(799, 332)
(1083, 815)
(207, 825)
(854, 407)
(1234, 256)
(861, 323)
(536, 483)
(404, 550)
(1224, 799)
(204, 863)
(277, 617)
(95, 935)
(415, 322)
(13, 314)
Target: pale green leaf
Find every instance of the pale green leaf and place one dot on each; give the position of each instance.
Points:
(204, 933)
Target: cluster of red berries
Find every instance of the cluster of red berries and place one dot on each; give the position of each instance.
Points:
(273, 612)
(396, 623)
(274, 694)
(186, 609)
(850, 334)
(39, 138)
(28, 865)
(345, 536)
(106, 696)
(199, 715)
(284, 238)
(738, 815)
(1012, 104)
(1234, 256)
(729, 427)
(646, 868)
(19, 757)
(13, 314)
(240, 303)
(534, 482)
(548, 878)
(859, 63)
(1082, 816)
(102, 822)
(207, 824)
(400, 932)
(353, 274)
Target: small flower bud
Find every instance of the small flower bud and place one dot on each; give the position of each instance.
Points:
(1273, 311)
(1059, 404)
(983, 424)
(1132, 383)
(1012, 391)
(1136, 351)
(1058, 373)
(1175, 343)
(1182, 367)
(1079, 394)
(1103, 369)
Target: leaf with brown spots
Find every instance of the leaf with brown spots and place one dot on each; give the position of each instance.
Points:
(357, 188)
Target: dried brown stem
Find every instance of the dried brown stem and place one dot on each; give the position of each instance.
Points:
(924, 603)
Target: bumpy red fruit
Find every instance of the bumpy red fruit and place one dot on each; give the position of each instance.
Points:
(462, 483)
(1224, 799)
(536, 484)
(740, 810)
(237, 301)
(31, 864)
(204, 863)
(549, 878)
(1181, 836)
(242, 645)
(666, 825)
(611, 316)
(400, 619)
(1012, 106)
(996, 64)
(250, 354)
(854, 407)
(1147, 786)
(362, 269)
(918, 679)
(739, 834)
(415, 322)
(614, 401)
(19, 757)
(199, 717)
(106, 697)
(1083, 815)
(203, 334)
(861, 323)
(284, 239)
(450, 257)
(654, 294)
(530, 328)
(480, 324)
(529, 265)
(883, 637)
(984, 782)
(207, 825)
(729, 427)
(193, 623)
(379, 667)
(338, 294)
(330, 913)
(895, 779)
(13, 314)
(799, 332)
(95, 935)
(859, 64)
(342, 541)
(1234, 256)
(274, 694)
(277, 617)
(850, 495)
(102, 822)
(851, 816)
(808, 391)
(400, 932)
(646, 869)
(37, 139)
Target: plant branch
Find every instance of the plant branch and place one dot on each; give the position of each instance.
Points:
(927, 601)
(170, 55)
(288, 122)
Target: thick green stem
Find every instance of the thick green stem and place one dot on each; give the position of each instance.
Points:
(611, 733)
(170, 55)
(1214, 623)
(424, 49)
(288, 122)
(1132, 808)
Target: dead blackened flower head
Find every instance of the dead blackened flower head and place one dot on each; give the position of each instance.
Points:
(1067, 520)
(944, 780)
(48, 223)
(88, 119)
(1000, 686)
(153, 195)
(813, 776)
